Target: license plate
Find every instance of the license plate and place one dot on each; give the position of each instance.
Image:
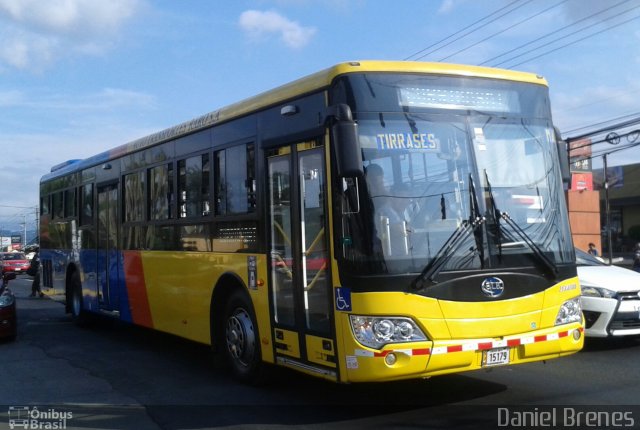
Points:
(495, 357)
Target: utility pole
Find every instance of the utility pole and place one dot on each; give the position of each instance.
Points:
(607, 209)
(37, 226)
(24, 226)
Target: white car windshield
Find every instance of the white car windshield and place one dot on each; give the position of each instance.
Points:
(586, 259)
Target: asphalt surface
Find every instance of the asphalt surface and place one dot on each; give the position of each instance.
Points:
(110, 375)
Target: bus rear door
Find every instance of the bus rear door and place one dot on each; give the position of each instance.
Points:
(108, 263)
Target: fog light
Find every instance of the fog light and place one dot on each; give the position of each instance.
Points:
(576, 335)
(390, 359)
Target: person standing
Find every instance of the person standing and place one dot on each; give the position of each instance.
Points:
(636, 258)
(35, 285)
(592, 249)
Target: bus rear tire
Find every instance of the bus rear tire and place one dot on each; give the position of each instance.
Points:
(240, 342)
(78, 315)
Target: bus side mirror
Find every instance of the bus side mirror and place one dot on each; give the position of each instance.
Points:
(345, 140)
(563, 156)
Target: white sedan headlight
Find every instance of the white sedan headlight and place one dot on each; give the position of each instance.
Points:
(570, 311)
(375, 332)
(589, 291)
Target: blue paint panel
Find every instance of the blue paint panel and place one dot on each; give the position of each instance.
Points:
(123, 296)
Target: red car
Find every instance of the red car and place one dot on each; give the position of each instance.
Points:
(14, 262)
(8, 324)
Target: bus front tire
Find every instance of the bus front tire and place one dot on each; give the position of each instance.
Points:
(240, 343)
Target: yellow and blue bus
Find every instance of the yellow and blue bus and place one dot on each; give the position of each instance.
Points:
(373, 221)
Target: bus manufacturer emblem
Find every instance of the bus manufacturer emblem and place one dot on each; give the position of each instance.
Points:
(492, 287)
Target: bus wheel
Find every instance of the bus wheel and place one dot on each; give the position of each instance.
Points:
(77, 312)
(240, 343)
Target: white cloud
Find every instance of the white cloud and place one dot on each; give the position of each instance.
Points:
(70, 16)
(35, 33)
(259, 24)
(446, 7)
(85, 125)
(106, 99)
(21, 49)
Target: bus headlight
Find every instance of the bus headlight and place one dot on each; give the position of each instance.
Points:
(375, 332)
(570, 311)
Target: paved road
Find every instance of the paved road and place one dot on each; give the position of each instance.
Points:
(113, 376)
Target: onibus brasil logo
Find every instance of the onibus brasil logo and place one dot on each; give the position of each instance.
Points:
(32, 418)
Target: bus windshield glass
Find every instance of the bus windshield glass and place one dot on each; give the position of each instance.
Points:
(439, 152)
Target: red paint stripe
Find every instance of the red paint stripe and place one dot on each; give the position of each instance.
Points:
(481, 346)
(137, 289)
(514, 342)
(454, 348)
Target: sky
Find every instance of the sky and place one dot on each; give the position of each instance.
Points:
(78, 77)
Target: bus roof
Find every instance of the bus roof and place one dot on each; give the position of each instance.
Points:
(307, 84)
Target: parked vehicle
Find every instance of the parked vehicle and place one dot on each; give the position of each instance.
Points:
(8, 322)
(14, 262)
(610, 297)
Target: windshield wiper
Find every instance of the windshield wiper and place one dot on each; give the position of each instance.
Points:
(550, 265)
(453, 243)
(497, 215)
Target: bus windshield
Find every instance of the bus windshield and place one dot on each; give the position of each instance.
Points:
(437, 159)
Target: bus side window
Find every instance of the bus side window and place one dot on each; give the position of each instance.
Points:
(160, 192)
(193, 186)
(58, 205)
(86, 205)
(45, 205)
(70, 209)
(234, 180)
(134, 196)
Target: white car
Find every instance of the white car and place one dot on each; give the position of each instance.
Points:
(610, 297)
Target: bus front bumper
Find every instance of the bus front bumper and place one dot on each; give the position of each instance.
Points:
(425, 359)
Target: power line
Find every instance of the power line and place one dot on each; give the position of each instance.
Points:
(574, 42)
(637, 114)
(605, 129)
(598, 101)
(549, 34)
(624, 146)
(469, 32)
(460, 31)
(504, 30)
(18, 207)
(612, 151)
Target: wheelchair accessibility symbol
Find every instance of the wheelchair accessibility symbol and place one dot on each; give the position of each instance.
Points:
(343, 299)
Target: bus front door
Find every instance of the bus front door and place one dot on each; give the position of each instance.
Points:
(108, 272)
(300, 282)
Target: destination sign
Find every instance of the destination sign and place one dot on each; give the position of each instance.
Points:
(404, 141)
